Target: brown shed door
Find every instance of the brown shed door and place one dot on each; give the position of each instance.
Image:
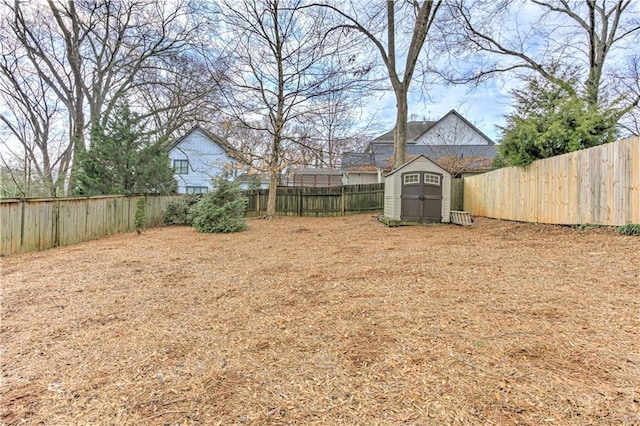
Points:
(421, 197)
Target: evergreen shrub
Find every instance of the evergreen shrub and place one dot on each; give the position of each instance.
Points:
(221, 210)
(140, 220)
(177, 212)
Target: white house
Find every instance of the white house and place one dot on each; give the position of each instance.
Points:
(197, 157)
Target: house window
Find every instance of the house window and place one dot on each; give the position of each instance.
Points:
(431, 179)
(181, 167)
(196, 189)
(411, 178)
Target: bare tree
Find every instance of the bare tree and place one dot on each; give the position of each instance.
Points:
(30, 119)
(251, 144)
(584, 36)
(90, 53)
(178, 93)
(334, 127)
(283, 59)
(410, 20)
(627, 88)
(455, 151)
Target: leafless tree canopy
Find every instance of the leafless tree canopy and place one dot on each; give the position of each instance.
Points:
(398, 31)
(590, 39)
(285, 60)
(72, 61)
(283, 80)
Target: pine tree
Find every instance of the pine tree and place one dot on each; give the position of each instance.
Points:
(140, 220)
(123, 159)
(220, 210)
(548, 120)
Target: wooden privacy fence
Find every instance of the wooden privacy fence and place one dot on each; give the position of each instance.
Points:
(599, 185)
(39, 224)
(457, 194)
(310, 201)
(331, 201)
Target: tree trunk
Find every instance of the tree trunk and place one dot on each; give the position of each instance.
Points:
(77, 142)
(274, 161)
(400, 131)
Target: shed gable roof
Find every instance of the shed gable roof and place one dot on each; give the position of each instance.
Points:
(418, 158)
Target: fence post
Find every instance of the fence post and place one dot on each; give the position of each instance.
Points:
(343, 201)
(299, 193)
(22, 206)
(56, 224)
(257, 202)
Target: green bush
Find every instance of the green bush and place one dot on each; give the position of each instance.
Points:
(587, 226)
(629, 229)
(221, 210)
(177, 212)
(140, 219)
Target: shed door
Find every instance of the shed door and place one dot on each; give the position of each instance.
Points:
(421, 197)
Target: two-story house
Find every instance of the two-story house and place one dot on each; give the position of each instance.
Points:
(198, 156)
(452, 142)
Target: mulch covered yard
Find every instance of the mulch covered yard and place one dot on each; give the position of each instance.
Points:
(326, 320)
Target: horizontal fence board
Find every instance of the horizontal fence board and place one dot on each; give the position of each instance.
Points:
(38, 224)
(599, 185)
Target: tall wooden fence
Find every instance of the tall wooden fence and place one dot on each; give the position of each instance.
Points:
(457, 194)
(309, 201)
(39, 224)
(599, 185)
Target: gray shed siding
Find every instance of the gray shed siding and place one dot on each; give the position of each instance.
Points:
(393, 187)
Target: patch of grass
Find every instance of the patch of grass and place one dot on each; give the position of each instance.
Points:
(587, 226)
(629, 229)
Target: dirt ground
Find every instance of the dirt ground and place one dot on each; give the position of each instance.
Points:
(326, 321)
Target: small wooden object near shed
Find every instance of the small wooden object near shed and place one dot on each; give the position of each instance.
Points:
(419, 191)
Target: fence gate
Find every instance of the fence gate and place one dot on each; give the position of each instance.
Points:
(421, 197)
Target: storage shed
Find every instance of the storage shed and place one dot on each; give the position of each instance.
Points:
(418, 191)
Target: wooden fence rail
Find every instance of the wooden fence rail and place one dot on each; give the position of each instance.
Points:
(38, 224)
(599, 185)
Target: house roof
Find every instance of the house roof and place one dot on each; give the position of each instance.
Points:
(381, 156)
(249, 177)
(314, 171)
(379, 153)
(231, 151)
(356, 159)
(415, 129)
